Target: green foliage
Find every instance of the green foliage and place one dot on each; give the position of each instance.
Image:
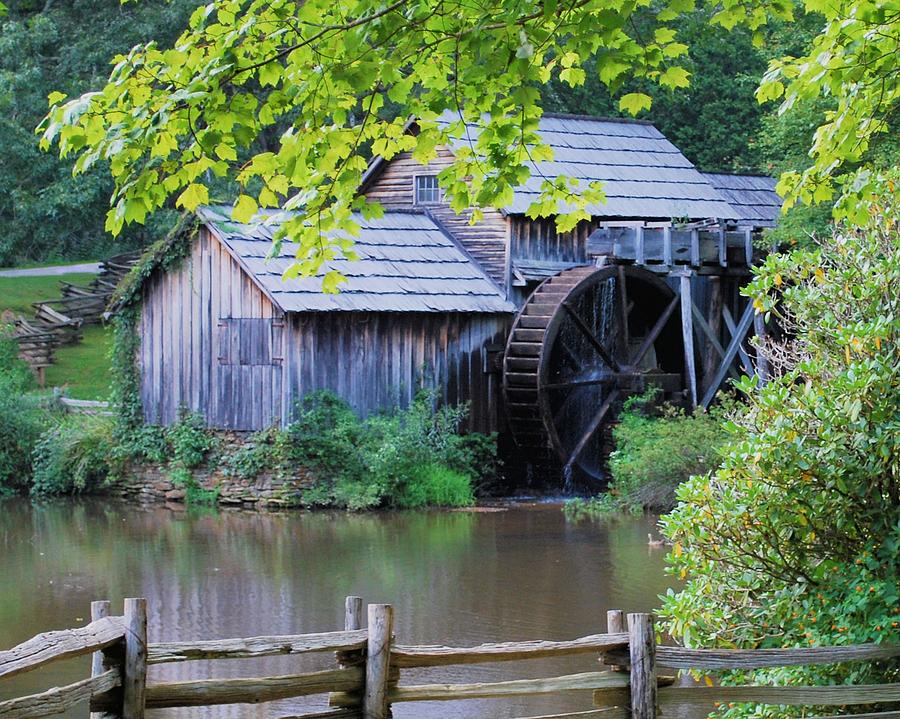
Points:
(436, 485)
(406, 458)
(45, 212)
(189, 440)
(171, 120)
(656, 449)
(23, 418)
(73, 457)
(194, 493)
(795, 539)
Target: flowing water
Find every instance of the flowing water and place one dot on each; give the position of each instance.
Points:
(457, 578)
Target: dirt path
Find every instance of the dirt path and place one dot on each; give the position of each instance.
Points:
(93, 267)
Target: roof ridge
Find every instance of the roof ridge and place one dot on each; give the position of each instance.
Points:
(597, 118)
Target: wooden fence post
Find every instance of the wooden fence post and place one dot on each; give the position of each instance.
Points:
(615, 624)
(353, 613)
(642, 650)
(100, 660)
(134, 679)
(378, 661)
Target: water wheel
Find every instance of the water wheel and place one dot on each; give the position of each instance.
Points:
(586, 339)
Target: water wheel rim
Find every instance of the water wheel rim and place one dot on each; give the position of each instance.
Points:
(644, 279)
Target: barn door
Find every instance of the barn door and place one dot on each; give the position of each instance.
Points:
(248, 373)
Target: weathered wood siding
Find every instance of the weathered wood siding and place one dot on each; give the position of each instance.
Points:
(539, 240)
(210, 342)
(377, 360)
(486, 240)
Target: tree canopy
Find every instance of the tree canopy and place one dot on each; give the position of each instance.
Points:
(320, 74)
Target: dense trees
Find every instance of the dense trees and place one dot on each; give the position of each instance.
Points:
(62, 45)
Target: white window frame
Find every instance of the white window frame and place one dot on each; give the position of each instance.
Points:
(433, 192)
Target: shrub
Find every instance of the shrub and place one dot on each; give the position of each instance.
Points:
(189, 440)
(795, 539)
(73, 457)
(24, 416)
(410, 457)
(656, 449)
(436, 486)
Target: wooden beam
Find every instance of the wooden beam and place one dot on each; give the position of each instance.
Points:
(654, 332)
(244, 648)
(723, 245)
(687, 334)
(748, 245)
(732, 330)
(695, 247)
(406, 657)
(730, 354)
(101, 661)
(593, 426)
(710, 336)
(639, 245)
(790, 695)
(61, 644)
(59, 699)
(682, 658)
(595, 343)
(667, 246)
(516, 687)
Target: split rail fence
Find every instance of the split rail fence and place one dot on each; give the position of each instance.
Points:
(366, 681)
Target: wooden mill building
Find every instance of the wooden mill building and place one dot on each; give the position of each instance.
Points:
(538, 330)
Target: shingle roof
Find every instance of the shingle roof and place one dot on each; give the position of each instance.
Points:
(752, 196)
(407, 264)
(644, 175)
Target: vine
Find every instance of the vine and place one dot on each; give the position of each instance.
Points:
(166, 254)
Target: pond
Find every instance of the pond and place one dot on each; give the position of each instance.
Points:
(457, 578)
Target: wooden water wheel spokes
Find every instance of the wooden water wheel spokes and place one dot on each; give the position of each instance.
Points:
(586, 339)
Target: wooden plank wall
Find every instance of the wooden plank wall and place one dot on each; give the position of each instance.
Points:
(377, 360)
(539, 240)
(181, 323)
(485, 240)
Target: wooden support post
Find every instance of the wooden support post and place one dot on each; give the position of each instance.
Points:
(615, 624)
(100, 661)
(695, 248)
(353, 613)
(732, 329)
(667, 246)
(712, 330)
(748, 245)
(687, 333)
(134, 678)
(642, 650)
(639, 246)
(378, 660)
(762, 364)
(730, 354)
(723, 245)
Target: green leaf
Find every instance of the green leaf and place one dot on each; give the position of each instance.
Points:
(675, 77)
(244, 209)
(634, 102)
(193, 196)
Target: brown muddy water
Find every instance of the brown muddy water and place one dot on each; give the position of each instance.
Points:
(458, 578)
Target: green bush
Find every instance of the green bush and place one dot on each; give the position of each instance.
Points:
(795, 539)
(656, 449)
(24, 416)
(189, 440)
(406, 458)
(73, 457)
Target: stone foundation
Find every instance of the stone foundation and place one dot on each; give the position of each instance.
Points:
(151, 483)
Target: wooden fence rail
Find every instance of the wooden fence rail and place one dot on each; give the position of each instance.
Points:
(366, 681)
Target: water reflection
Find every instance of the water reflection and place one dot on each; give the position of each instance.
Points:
(454, 577)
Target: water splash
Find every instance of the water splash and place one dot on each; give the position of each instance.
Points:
(568, 483)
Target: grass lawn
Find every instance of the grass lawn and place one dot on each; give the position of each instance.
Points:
(83, 369)
(17, 293)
